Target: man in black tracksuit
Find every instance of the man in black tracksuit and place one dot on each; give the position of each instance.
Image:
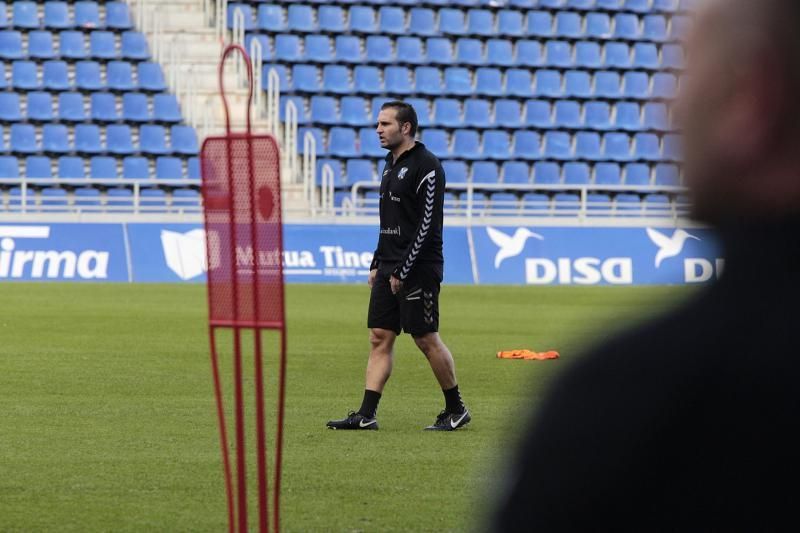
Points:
(407, 269)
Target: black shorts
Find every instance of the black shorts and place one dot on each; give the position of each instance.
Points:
(415, 309)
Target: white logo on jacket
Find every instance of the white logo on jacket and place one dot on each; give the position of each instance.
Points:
(402, 173)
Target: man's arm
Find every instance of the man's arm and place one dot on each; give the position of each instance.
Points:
(430, 197)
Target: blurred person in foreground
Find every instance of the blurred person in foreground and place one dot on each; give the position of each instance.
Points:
(692, 422)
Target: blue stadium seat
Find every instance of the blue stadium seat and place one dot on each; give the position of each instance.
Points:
(489, 82)
(481, 22)
(458, 81)
(23, 139)
(455, 171)
(135, 168)
(362, 20)
(496, 144)
(119, 140)
(529, 54)
(637, 85)
(25, 15)
(342, 142)
(331, 19)
(246, 10)
(637, 174)
(469, 52)
(598, 25)
(398, 80)
(53, 199)
(119, 75)
(646, 147)
(152, 199)
(578, 83)
(367, 80)
(452, 22)
(135, 108)
(655, 117)
(618, 55)
(410, 50)
(597, 115)
(10, 107)
(71, 167)
(428, 81)
(645, 56)
(628, 116)
(72, 45)
(86, 197)
(166, 108)
(119, 200)
(664, 85)
(616, 147)
(336, 79)
(270, 18)
(40, 107)
(301, 18)
(304, 78)
(324, 110)
(40, 45)
(507, 113)
(103, 107)
(347, 49)
(568, 114)
(55, 76)
(510, 23)
(185, 198)
(628, 203)
(193, 168)
(519, 82)
(56, 15)
(318, 49)
(447, 113)
(576, 173)
(358, 170)
(152, 140)
(422, 21)
(548, 83)
(299, 103)
(558, 54)
(538, 114)
(516, 172)
(500, 52)
(103, 168)
(485, 172)
(654, 28)
(672, 56)
(467, 144)
(287, 48)
(38, 167)
(569, 24)
(87, 15)
(536, 202)
(379, 49)
(9, 167)
(667, 174)
(477, 113)
(527, 145)
(626, 27)
(672, 148)
(607, 174)
(134, 46)
(540, 24)
(370, 145)
(184, 140)
(437, 142)
(607, 84)
(24, 75)
(391, 20)
(4, 23)
(11, 45)
(439, 51)
(545, 173)
(667, 6)
(118, 16)
(87, 139)
(151, 78)
(102, 45)
(588, 55)
(587, 146)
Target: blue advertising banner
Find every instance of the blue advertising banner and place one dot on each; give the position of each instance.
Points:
(145, 252)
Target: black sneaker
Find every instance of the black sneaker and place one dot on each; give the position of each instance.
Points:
(450, 421)
(354, 421)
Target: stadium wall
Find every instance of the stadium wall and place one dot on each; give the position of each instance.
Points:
(150, 252)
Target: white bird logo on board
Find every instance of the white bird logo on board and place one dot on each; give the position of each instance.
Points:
(669, 246)
(510, 246)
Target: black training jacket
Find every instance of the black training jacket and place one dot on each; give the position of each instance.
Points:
(411, 211)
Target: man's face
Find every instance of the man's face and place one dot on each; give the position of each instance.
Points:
(389, 130)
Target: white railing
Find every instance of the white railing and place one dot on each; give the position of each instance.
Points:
(289, 152)
(326, 192)
(309, 171)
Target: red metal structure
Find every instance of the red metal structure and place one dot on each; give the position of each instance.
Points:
(244, 242)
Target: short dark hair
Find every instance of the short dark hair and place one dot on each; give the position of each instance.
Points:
(405, 113)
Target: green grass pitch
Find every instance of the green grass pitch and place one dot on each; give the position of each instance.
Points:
(108, 421)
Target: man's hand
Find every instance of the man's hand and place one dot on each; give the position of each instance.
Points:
(396, 284)
(371, 277)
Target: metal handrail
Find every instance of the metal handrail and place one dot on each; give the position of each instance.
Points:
(309, 171)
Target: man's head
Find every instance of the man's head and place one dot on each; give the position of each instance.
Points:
(739, 110)
(397, 124)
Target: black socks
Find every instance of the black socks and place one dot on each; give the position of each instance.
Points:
(369, 407)
(452, 399)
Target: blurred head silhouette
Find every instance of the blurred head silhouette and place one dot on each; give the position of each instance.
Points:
(739, 110)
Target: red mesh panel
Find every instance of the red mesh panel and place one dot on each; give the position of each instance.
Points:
(241, 194)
